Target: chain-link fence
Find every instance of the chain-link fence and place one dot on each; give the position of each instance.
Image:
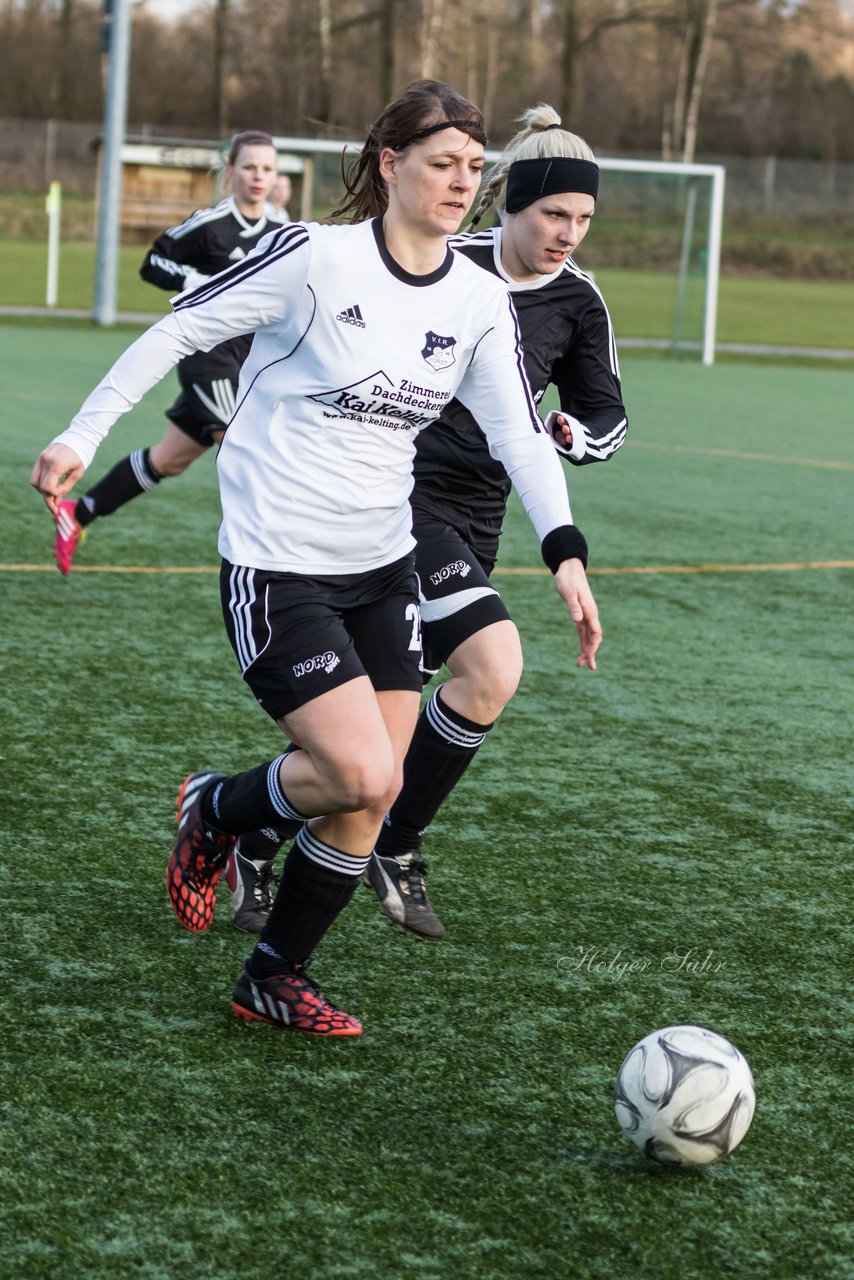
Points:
(782, 217)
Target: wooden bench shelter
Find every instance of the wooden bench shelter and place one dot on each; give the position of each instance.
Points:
(163, 182)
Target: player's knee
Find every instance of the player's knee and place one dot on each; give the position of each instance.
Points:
(392, 791)
(364, 783)
(501, 682)
(491, 684)
(487, 670)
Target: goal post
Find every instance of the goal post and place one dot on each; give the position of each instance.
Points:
(688, 175)
(655, 216)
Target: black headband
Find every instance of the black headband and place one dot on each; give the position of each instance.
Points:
(530, 180)
(474, 128)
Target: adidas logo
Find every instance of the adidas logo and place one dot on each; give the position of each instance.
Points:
(351, 315)
(237, 254)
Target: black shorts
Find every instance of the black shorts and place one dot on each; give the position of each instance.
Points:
(208, 395)
(457, 598)
(296, 637)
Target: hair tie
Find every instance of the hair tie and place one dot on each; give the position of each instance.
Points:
(557, 125)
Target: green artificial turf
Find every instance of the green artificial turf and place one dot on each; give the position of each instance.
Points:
(685, 811)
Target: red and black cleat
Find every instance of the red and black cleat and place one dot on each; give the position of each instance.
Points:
(198, 858)
(291, 1001)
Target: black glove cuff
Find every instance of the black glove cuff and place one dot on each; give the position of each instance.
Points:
(565, 543)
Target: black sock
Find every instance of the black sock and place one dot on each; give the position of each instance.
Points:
(129, 478)
(251, 801)
(261, 847)
(442, 748)
(317, 883)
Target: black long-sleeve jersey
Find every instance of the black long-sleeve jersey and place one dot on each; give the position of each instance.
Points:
(209, 241)
(567, 340)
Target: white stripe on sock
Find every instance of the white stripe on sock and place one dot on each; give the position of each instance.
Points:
(277, 796)
(448, 729)
(325, 855)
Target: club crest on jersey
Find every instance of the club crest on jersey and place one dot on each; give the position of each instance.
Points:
(438, 351)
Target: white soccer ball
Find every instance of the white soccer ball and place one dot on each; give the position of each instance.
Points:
(685, 1096)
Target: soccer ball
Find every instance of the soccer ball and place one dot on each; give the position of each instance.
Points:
(685, 1096)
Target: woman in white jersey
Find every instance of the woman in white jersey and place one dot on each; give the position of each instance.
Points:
(361, 334)
(182, 258)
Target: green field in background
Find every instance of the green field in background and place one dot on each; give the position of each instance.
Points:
(804, 313)
(690, 798)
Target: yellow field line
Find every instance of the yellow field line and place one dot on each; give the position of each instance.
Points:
(735, 453)
(792, 566)
(701, 568)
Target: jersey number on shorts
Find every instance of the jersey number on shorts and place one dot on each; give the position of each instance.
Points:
(413, 613)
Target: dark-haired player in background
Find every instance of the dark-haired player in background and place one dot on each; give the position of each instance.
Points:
(182, 258)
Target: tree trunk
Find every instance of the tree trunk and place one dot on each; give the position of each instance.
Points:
(490, 88)
(67, 71)
(692, 115)
(324, 32)
(674, 119)
(220, 101)
(432, 15)
(386, 50)
(679, 136)
(568, 61)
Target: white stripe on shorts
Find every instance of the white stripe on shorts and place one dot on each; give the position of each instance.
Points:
(242, 582)
(436, 610)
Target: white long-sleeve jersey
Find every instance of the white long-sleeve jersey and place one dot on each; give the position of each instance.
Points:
(351, 358)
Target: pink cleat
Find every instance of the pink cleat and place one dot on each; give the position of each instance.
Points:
(69, 535)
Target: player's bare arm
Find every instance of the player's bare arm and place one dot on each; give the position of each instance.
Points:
(574, 589)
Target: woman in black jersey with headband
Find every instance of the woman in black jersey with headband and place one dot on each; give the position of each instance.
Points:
(544, 188)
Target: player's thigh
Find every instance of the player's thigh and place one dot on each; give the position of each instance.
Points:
(345, 733)
(457, 598)
(399, 710)
(358, 736)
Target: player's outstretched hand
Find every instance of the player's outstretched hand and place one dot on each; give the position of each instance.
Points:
(574, 589)
(55, 474)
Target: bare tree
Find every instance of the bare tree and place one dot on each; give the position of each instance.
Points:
(388, 26)
(220, 43)
(324, 31)
(569, 62)
(432, 16)
(680, 126)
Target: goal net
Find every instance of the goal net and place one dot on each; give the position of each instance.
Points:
(654, 246)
